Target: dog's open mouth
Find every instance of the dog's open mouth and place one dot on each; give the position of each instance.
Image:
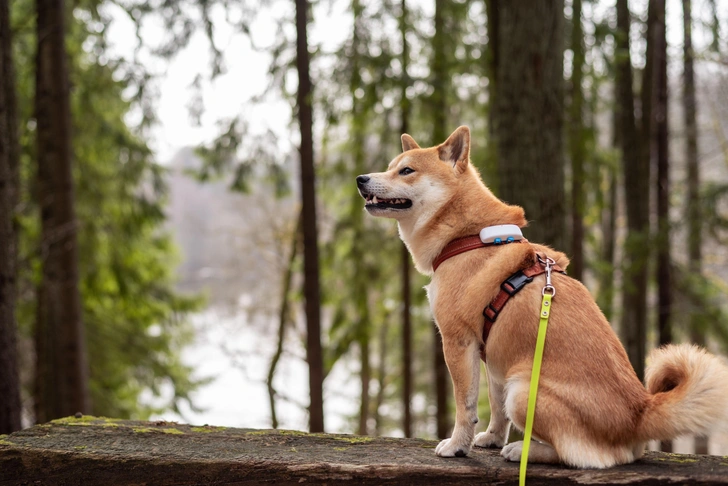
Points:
(373, 202)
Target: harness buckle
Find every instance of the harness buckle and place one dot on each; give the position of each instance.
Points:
(515, 282)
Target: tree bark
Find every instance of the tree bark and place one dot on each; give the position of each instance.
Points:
(10, 407)
(693, 216)
(492, 61)
(92, 452)
(381, 379)
(440, 84)
(312, 292)
(359, 127)
(661, 112)
(663, 181)
(62, 367)
(636, 183)
(577, 147)
(404, 253)
(529, 115)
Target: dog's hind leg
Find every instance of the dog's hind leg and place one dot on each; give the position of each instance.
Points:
(497, 432)
(462, 356)
(560, 427)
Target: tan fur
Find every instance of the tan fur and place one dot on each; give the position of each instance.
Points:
(591, 411)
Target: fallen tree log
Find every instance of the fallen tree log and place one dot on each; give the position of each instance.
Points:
(98, 451)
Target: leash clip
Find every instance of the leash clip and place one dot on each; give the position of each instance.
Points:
(548, 263)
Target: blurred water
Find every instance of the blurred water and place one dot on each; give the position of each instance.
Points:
(236, 355)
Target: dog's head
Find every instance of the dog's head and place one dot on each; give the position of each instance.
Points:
(419, 181)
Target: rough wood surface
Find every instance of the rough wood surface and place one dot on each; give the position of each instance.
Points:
(95, 451)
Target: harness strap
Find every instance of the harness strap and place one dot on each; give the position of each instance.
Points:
(510, 287)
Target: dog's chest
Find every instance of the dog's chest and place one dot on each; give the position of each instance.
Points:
(431, 290)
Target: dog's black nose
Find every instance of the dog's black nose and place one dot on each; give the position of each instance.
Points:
(361, 180)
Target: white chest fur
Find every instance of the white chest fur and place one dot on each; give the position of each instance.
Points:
(431, 290)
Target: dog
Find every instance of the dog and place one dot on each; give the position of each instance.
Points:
(592, 411)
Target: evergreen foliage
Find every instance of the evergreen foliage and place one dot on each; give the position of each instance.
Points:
(136, 323)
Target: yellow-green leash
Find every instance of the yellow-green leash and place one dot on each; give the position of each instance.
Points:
(548, 293)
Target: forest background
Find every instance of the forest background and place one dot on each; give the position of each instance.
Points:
(121, 251)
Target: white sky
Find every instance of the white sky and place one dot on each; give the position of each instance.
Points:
(229, 94)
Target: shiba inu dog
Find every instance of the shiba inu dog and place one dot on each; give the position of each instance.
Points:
(592, 411)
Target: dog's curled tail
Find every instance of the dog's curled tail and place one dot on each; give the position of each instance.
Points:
(689, 393)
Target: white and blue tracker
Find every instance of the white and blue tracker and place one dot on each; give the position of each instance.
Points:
(501, 234)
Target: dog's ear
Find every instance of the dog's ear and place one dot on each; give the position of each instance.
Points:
(408, 143)
(456, 148)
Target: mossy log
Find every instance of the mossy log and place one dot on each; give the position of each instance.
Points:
(98, 451)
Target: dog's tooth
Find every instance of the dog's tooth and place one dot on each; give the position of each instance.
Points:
(374, 200)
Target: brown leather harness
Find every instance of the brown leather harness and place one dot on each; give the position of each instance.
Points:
(510, 286)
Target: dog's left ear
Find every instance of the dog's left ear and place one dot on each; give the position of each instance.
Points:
(456, 148)
(408, 143)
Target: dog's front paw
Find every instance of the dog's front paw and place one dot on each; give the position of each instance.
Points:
(490, 440)
(450, 448)
(512, 452)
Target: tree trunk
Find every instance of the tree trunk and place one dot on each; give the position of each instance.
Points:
(439, 134)
(359, 127)
(577, 147)
(636, 182)
(404, 253)
(62, 367)
(605, 299)
(529, 115)
(10, 408)
(663, 182)
(693, 216)
(491, 58)
(312, 293)
(381, 378)
(661, 112)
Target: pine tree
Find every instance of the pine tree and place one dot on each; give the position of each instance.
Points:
(10, 409)
(636, 183)
(439, 107)
(528, 114)
(62, 367)
(314, 354)
(577, 146)
(404, 253)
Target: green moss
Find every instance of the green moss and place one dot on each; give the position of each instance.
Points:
(143, 430)
(354, 439)
(207, 430)
(292, 432)
(341, 449)
(3, 440)
(87, 420)
(676, 458)
(172, 431)
(293, 449)
(258, 432)
(79, 448)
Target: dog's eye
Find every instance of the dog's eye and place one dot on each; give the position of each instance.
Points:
(406, 171)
